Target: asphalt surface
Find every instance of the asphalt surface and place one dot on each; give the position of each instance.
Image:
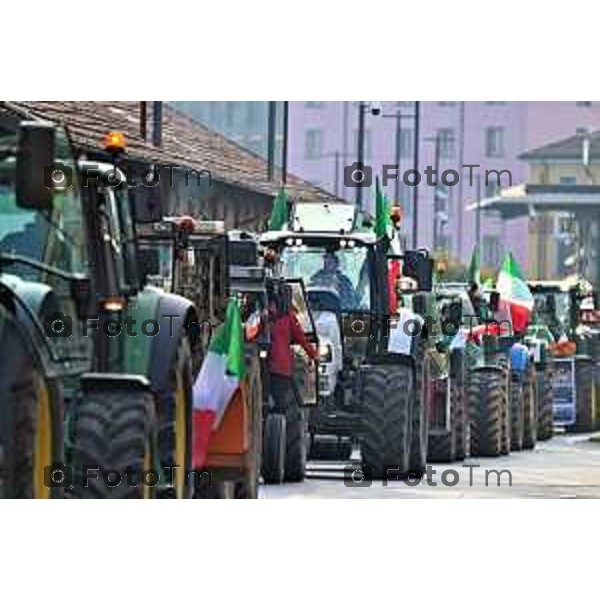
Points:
(567, 466)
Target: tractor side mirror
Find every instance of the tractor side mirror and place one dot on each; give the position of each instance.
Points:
(35, 160)
(494, 301)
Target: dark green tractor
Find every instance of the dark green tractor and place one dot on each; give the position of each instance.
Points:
(96, 387)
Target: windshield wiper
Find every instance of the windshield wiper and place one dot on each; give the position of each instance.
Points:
(17, 259)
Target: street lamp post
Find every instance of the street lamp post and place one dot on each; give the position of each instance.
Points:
(416, 167)
(362, 108)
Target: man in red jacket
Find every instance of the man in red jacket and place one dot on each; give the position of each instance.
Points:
(285, 331)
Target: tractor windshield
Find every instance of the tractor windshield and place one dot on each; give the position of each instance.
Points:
(55, 237)
(344, 270)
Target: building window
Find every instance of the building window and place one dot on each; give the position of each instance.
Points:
(314, 104)
(568, 180)
(583, 104)
(446, 103)
(445, 139)
(406, 143)
(492, 250)
(313, 146)
(494, 142)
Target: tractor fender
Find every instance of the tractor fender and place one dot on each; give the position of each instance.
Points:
(178, 319)
(27, 303)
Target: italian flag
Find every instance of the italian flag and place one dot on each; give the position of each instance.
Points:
(515, 294)
(220, 376)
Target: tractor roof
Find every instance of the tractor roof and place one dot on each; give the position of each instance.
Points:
(324, 217)
(316, 237)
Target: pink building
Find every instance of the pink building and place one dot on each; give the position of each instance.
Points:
(323, 139)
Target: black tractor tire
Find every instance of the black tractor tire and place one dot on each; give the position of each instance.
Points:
(331, 449)
(530, 418)
(296, 440)
(506, 429)
(174, 412)
(420, 415)
(487, 390)
(387, 396)
(442, 447)
(584, 382)
(273, 454)
(31, 410)
(545, 404)
(517, 414)
(115, 431)
(461, 426)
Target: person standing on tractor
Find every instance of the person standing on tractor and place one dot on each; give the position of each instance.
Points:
(285, 331)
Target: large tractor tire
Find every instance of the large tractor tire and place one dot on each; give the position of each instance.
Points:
(31, 415)
(530, 418)
(460, 415)
(174, 413)
(420, 415)
(584, 383)
(517, 414)
(442, 444)
(247, 487)
(487, 390)
(387, 395)
(273, 454)
(545, 402)
(332, 449)
(115, 431)
(296, 440)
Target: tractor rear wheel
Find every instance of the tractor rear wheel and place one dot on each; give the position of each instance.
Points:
(115, 432)
(517, 414)
(544, 404)
(420, 413)
(487, 390)
(32, 408)
(584, 383)
(442, 444)
(461, 420)
(529, 411)
(174, 413)
(387, 395)
(296, 440)
(273, 455)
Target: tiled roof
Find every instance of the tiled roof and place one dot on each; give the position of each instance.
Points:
(185, 142)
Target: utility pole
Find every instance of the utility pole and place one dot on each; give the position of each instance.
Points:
(398, 154)
(478, 215)
(415, 236)
(143, 120)
(271, 129)
(361, 150)
(436, 194)
(284, 158)
(460, 201)
(157, 123)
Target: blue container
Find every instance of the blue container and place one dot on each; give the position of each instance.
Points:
(519, 357)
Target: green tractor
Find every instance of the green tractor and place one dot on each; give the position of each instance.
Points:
(567, 310)
(369, 373)
(198, 259)
(97, 386)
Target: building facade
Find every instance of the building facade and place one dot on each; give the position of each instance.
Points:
(323, 140)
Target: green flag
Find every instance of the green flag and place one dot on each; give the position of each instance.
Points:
(475, 267)
(382, 211)
(279, 213)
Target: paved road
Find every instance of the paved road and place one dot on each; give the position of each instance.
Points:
(564, 467)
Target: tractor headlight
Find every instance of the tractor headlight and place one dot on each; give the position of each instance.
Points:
(325, 353)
